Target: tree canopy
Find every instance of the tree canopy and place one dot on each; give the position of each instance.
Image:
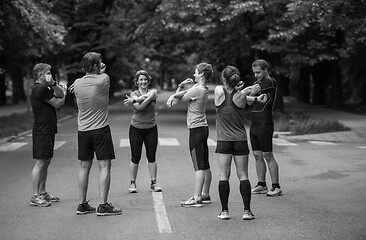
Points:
(315, 47)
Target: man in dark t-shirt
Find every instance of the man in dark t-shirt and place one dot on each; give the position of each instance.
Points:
(46, 97)
(261, 130)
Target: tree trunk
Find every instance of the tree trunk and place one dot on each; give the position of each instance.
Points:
(303, 87)
(320, 82)
(2, 88)
(278, 104)
(336, 95)
(16, 74)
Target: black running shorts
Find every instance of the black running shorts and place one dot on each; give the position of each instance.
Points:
(97, 141)
(43, 145)
(237, 148)
(261, 138)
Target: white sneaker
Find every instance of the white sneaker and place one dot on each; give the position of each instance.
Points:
(132, 188)
(260, 190)
(248, 215)
(274, 192)
(192, 202)
(224, 215)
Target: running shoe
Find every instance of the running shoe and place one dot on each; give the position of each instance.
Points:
(260, 189)
(50, 198)
(206, 200)
(107, 209)
(155, 188)
(274, 192)
(191, 202)
(84, 208)
(248, 215)
(132, 188)
(39, 201)
(224, 215)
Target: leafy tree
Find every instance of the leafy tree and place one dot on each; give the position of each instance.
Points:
(313, 37)
(29, 30)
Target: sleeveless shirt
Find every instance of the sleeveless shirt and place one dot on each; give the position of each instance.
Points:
(230, 120)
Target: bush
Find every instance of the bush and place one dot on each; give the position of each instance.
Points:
(299, 124)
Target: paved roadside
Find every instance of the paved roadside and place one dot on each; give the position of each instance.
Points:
(356, 122)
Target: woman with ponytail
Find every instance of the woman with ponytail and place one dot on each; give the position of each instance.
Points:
(232, 137)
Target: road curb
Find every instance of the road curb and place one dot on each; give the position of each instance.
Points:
(12, 138)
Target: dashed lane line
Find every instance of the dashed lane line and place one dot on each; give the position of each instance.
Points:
(283, 142)
(322, 143)
(11, 146)
(160, 213)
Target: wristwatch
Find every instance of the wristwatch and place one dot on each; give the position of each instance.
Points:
(134, 101)
(255, 99)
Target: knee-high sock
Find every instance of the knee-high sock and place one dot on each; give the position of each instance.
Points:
(246, 194)
(224, 191)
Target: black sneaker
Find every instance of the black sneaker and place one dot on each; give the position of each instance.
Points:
(84, 208)
(206, 200)
(107, 209)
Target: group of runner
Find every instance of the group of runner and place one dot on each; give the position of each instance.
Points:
(94, 135)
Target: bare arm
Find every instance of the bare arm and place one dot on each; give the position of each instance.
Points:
(179, 93)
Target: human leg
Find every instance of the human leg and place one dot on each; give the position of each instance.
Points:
(136, 140)
(151, 143)
(104, 179)
(224, 186)
(84, 171)
(272, 166)
(241, 162)
(274, 173)
(37, 176)
(43, 145)
(206, 186)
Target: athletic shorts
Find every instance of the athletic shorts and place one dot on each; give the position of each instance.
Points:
(261, 138)
(198, 148)
(98, 141)
(43, 145)
(236, 148)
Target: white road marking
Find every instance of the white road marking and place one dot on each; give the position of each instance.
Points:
(11, 146)
(58, 144)
(283, 142)
(211, 142)
(321, 143)
(125, 142)
(168, 142)
(362, 147)
(160, 213)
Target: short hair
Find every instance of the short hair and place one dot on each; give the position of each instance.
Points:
(90, 61)
(260, 63)
(231, 75)
(40, 68)
(206, 68)
(142, 72)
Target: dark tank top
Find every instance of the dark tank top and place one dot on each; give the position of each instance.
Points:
(230, 120)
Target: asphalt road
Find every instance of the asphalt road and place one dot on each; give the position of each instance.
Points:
(324, 191)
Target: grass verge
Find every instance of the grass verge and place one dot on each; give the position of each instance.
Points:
(296, 123)
(19, 122)
(300, 124)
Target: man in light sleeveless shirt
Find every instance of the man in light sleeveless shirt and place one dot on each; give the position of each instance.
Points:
(197, 97)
